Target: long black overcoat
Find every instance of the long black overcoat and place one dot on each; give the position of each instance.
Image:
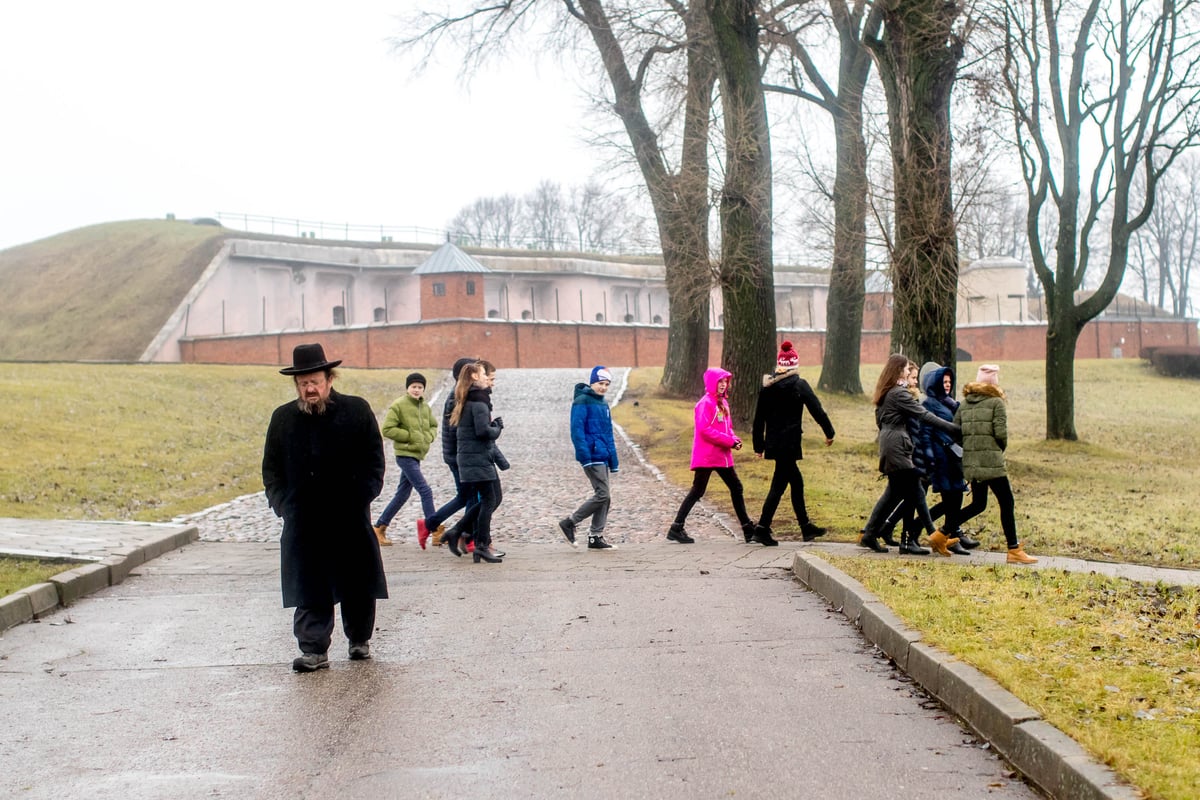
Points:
(779, 416)
(321, 473)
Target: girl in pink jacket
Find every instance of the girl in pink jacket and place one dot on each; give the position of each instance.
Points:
(712, 451)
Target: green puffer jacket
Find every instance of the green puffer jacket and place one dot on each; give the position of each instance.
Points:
(984, 421)
(411, 426)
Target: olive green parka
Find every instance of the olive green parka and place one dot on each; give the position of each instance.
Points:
(984, 420)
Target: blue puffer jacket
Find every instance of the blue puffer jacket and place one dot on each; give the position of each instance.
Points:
(591, 429)
(943, 467)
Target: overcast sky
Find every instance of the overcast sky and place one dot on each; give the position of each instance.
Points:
(131, 109)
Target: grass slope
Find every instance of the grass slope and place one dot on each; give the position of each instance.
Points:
(100, 292)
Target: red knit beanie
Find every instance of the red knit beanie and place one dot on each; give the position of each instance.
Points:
(787, 356)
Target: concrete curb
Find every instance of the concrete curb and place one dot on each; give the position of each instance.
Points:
(1046, 756)
(66, 587)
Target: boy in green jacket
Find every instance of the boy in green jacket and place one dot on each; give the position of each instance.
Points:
(411, 426)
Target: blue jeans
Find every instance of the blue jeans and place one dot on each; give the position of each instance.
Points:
(410, 478)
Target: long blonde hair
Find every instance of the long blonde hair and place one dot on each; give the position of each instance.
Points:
(466, 380)
(893, 370)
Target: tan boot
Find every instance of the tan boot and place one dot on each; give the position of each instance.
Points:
(941, 543)
(1018, 556)
(381, 535)
(437, 536)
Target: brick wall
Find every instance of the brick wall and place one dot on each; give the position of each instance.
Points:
(570, 344)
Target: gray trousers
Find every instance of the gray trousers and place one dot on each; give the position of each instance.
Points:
(597, 505)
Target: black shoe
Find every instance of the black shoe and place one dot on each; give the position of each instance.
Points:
(965, 541)
(598, 543)
(359, 651)
(872, 543)
(748, 530)
(567, 526)
(676, 534)
(911, 546)
(450, 537)
(481, 554)
(889, 538)
(958, 549)
(311, 662)
(808, 531)
(497, 553)
(763, 536)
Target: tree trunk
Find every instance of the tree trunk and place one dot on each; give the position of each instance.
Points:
(1061, 338)
(747, 281)
(844, 308)
(917, 57)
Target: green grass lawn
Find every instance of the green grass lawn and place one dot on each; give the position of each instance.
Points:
(18, 573)
(1114, 664)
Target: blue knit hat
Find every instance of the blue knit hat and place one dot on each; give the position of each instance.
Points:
(600, 374)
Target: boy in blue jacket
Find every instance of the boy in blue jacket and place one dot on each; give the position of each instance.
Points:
(595, 450)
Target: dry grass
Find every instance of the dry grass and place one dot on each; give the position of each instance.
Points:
(148, 442)
(1125, 492)
(1112, 663)
(101, 292)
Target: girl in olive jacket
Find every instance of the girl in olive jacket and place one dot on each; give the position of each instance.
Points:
(411, 426)
(984, 421)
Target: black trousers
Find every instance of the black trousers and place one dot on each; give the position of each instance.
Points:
(313, 625)
(1004, 496)
(786, 474)
(700, 477)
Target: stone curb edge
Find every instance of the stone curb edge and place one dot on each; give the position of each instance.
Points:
(1045, 755)
(66, 587)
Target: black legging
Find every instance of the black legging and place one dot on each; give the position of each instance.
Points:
(951, 506)
(700, 478)
(903, 488)
(489, 498)
(1004, 496)
(787, 473)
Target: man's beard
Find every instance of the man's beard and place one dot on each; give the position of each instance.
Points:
(316, 407)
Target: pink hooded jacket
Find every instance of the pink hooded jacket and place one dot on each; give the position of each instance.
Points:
(714, 439)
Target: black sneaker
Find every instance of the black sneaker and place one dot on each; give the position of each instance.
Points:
(808, 531)
(598, 543)
(311, 662)
(568, 529)
(680, 536)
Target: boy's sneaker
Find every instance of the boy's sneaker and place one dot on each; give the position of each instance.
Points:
(470, 548)
(598, 543)
(422, 533)
(568, 528)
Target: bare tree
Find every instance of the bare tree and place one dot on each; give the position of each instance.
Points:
(598, 219)
(1121, 98)
(670, 40)
(794, 23)
(917, 55)
(1165, 249)
(487, 221)
(746, 267)
(545, 218)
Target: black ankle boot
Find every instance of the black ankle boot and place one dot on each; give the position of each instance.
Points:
(958, 549)
(481, 554)
(763, 536)
(678, 534)
(871, 542)
(888, 536)
(748, 530)
(450, 537)
(910, 544)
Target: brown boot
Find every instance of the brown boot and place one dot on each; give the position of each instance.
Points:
(1017, 555)
(940, 543)
(381, 535)
(437, 536)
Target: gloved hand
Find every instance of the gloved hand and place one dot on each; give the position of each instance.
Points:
(498, 422)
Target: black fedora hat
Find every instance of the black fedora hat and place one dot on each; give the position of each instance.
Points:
(308, 358)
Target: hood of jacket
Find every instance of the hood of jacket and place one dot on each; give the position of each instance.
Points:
(713, 376)
(974, 391)
(585, 390)
(776, 377)
(931, 383)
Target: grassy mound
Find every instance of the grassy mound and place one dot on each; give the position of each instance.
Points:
(99, 293)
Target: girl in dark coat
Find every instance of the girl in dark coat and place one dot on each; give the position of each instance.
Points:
(777, 430)
(477, 433)
(894, 406)
(943, 455)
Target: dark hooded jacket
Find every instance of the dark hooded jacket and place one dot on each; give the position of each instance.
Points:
(943, 466)
(477, 435)
(779, 416)
(321, 473)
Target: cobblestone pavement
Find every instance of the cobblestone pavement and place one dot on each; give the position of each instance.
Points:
(543, 486)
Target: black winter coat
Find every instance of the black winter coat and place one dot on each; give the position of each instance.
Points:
(449, 432)
(477, 434)
(892, 416)
(321, 474)
(779, 414)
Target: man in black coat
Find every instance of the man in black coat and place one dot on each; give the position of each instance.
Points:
(778, 415)
(323, 464)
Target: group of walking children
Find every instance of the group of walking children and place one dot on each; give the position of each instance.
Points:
(942, 444)
(469, 449)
